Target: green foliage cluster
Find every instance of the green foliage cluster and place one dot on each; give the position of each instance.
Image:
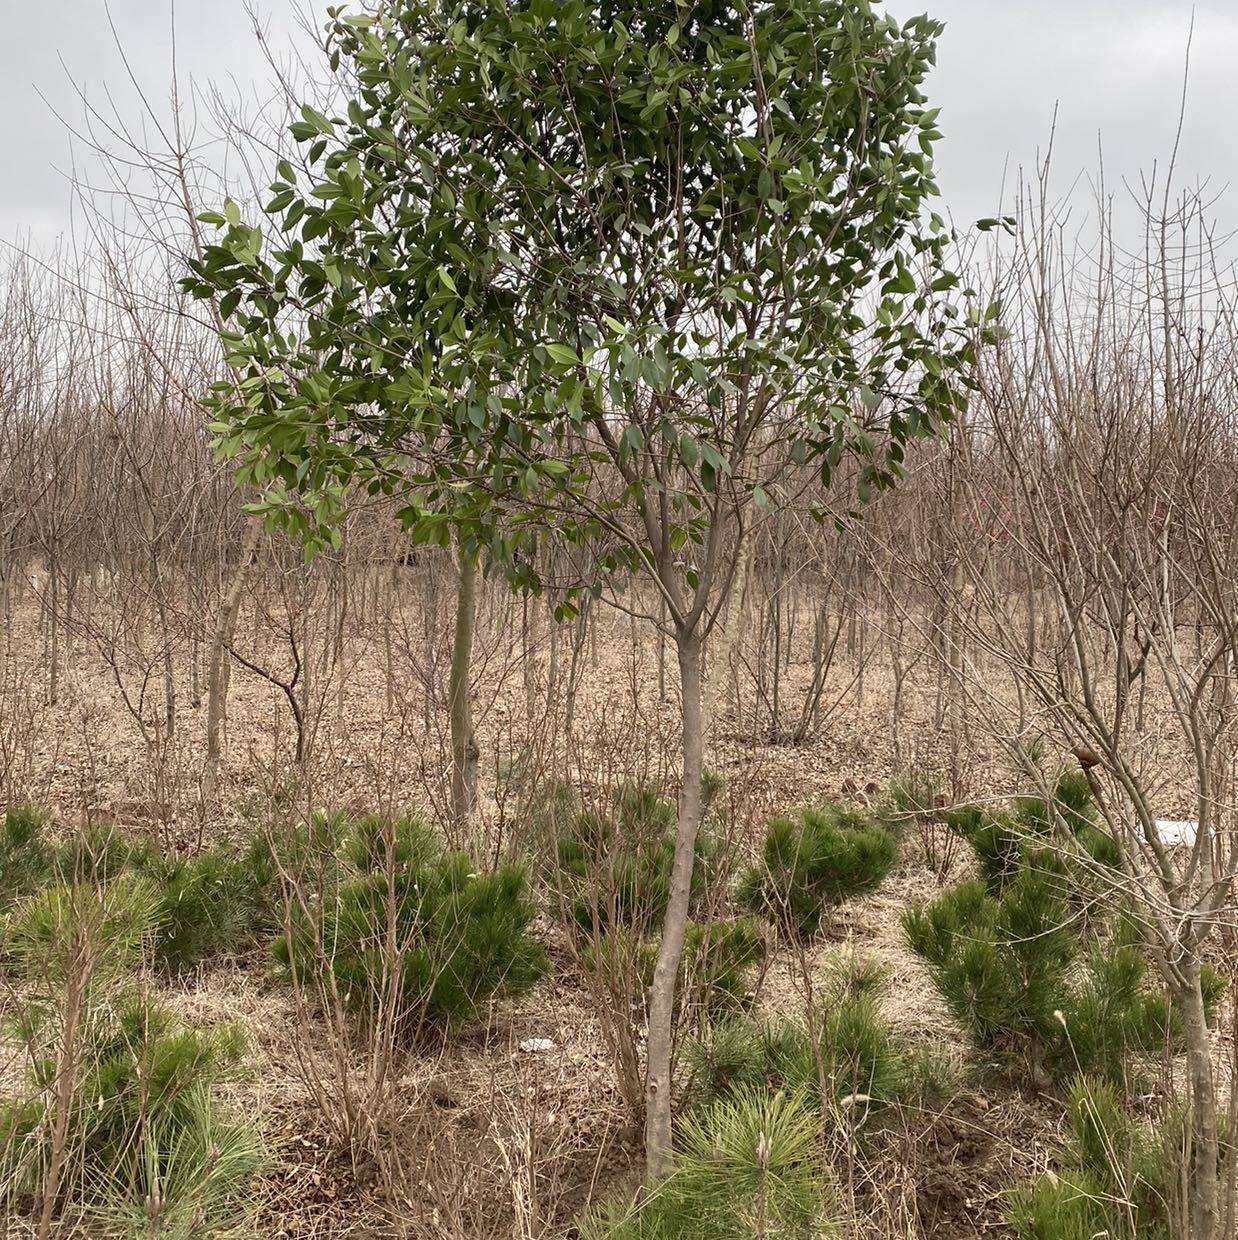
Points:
(716, 963)
(457, 937)
(610, 878)
(1032, 971)
(400, 924)
(1116, 1178)
(153, 1153)
(25, 856)
(1060, 832)
(208, 902)
(714, 968)
(848, 1063)
(612, 868)
(814, 861)
(570, 214)
(305, 851)
(910, 795)
(749, 1165)
(65, 927)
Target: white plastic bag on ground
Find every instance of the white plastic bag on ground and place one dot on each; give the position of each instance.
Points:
(1173, 833)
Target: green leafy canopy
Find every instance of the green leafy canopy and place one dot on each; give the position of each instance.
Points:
(568, 265)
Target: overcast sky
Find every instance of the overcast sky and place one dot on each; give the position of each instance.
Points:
(1112, 68)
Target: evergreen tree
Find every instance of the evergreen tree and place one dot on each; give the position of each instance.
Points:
(815, 861)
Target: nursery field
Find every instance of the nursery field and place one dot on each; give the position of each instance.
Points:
(523, 1117)
(583, 657)
(517, 1126)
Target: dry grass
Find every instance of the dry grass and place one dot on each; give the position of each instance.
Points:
(490, 1140)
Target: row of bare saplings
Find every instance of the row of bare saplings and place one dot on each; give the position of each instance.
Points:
(125, 552)
(1066, 569)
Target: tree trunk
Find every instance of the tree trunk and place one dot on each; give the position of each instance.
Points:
(339, 654)
(958, 723)
(463, 744)
(195, 671)
(217, 669)
(579, 636)
(53, 631)
(1204, 1176)
(65, 1081)
(662, 650)
(169, 677)
(658, 1084)
(723, 646)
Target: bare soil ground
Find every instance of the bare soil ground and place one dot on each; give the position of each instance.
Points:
(495, 1140)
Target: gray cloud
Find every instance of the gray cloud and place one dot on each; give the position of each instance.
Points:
(51, 51)
(1112, 67)
(1113, 72)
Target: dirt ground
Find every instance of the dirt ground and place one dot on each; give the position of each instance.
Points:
(494, 1138)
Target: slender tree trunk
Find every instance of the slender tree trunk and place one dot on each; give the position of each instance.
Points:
(1204, 1178)
(862, 656)
(53, 631)
(430, 587)
(393, 593)
(66, 1080)
(573, 674)
(309, 674)
(776, 620)
(662, 651)
(723, 646)
(340, 652)
(217, 668)
(195, 671)
(463, 744)
(658, 1083)
(955, 686)
(527, 647)
(552, 664)
(169, 677)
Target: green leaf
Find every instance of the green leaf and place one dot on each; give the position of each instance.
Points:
(563, 354)
(316, 119)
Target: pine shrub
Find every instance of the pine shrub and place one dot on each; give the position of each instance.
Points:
(143, 1063)
(151, 1153)
(25, 856)
(102, 930)
(99, 854)
(717, 961)
(850, 1065)
(1115, 1179)
(190, 1178)
(815, 861)
(610, 880)
(1002, 963)
(749, 1166)
(715, 966)
(543, 806)
(202, 908)
(218, 901)
(1117, 1014)
(143, 1102)
(203, 899)
(613, 869)
(401, 921)
(1045, 832)
(910, 797)
(307, 852)
(1028, 974)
